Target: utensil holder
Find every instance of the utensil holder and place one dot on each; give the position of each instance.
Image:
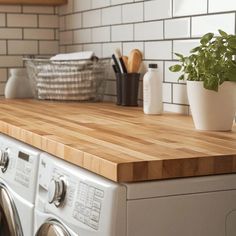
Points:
(127, 89)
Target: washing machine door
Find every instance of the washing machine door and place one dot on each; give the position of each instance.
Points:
(9, 219)
(52, 228)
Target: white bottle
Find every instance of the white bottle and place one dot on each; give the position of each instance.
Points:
(152, 91)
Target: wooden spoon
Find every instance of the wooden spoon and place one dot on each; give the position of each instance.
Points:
(134, 61)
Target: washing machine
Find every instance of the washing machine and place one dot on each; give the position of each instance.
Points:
(18, 178)
(71, 201)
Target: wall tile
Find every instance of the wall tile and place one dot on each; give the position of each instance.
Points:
(82, 5)
(3, 75)
(184, 46)
(96, 48)
(180, 94)
(20, 20)
(219, 5)
(132, 12)
(22, 47)
(160, 50)
(66, 37)
(10, 8)
(167, 92)
(100, 3)
(10, 61)
(157, 9)
(7, 33)
(177, 28)
(101, 34)
(39, 34)
(68, 8)
(109, 48)
(2, 20)
(82, 36)
(48, 47)
(115, 2)
(38, 9)
(129, 46)
(189, 7)
(111, 15)
(48, 21)
(3, 46)
(91, 18)
(122, 33)
(204, 24)
(73, 21)
(148, 31)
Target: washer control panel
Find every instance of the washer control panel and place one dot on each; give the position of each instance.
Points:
(88, 205)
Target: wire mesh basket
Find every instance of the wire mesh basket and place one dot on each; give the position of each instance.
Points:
(68, 80)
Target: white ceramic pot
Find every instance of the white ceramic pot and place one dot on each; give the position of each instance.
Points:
(212, 110)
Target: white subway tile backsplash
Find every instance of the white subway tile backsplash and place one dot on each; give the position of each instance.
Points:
(38, 9)
(148, 31)
(180, 94)
(184, 46)
(160, 50)
(219, 5)
(91, 18)
(7, 33)
(48, 47)
(129, 46)
(82, 36)
(189, 7)
(2, 20)
(73, 21)
(100, 3)
(132, 12)
(66, 37)
(10, 61)
(177, 28)
(167, 92)
(115, 2)
(82, 5)
(3, 75)
(204, 24)
(10, 8)
(111, 15)
(96, 48)
(39, 34)
(3, 47)
(101, 34)
(22, 47)
(122, 33)
(48, 21)
(109, 48)
(182, 109)
(157, 9)
(73, 48)
(20, 20)
(171, 77)
(67, 8)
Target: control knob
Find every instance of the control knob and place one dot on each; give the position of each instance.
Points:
(4, 159)
(56, 191)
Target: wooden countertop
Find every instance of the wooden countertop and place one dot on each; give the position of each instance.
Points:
(119, 143)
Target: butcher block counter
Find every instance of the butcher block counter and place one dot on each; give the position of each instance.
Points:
(119, 143)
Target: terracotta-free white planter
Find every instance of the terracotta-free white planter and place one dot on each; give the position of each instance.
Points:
(212, 110)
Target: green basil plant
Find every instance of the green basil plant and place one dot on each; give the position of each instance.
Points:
(212, 62)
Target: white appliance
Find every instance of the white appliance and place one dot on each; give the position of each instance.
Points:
(18, 178)
(72, 201)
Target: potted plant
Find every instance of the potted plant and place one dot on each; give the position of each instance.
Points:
(210, 71)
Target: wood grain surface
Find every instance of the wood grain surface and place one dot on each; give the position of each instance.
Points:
(34, 2)
(119, 143)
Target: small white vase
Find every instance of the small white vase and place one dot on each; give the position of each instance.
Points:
(212, 110)
(18, 85)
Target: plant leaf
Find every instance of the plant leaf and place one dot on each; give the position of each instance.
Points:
(206, 38)
(179, 55)
(232, 42)
(175, 68)
(222, 33)
(196, 49)
(211, 83)
(181, 77)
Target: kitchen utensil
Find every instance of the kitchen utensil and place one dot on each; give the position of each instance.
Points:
(122, 64)
(134, 61)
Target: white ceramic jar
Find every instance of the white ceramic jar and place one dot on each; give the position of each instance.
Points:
(18, 84)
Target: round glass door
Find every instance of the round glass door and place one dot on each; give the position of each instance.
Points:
(52, 228)
(9, 219)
